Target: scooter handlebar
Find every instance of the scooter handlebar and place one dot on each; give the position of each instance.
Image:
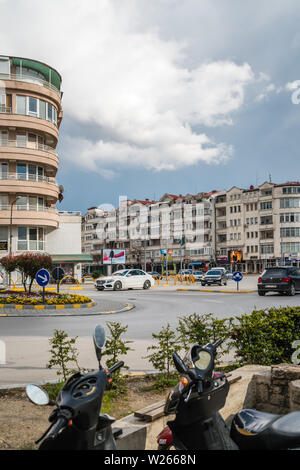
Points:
(115, 367)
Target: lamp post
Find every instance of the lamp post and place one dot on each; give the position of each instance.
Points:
(10, 232)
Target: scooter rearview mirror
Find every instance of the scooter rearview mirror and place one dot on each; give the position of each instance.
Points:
(99, 340)
(179, 364)
(37, 395)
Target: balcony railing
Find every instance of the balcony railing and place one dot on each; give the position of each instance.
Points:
(5, 109)
(33, 178)
(30, 79)
(28, 207)
(27, 145)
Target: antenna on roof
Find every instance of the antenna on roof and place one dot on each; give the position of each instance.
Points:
(270, 178)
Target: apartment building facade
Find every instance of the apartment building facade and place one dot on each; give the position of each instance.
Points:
(166, 235)
(30, 117)
(258, 226)
(245, 229)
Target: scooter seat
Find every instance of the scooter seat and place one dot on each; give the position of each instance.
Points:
(252, 429)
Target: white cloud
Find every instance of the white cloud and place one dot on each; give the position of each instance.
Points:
(128, 81)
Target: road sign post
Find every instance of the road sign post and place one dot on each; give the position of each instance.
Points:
(42, 278)
(237, 277)
(58, 274)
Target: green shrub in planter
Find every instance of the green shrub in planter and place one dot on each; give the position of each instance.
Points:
(265, 337)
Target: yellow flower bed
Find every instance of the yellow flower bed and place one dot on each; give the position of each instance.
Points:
(60, 300)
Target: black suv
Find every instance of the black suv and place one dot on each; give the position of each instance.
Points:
(285, 280)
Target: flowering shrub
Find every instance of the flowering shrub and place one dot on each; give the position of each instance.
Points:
(50, 299)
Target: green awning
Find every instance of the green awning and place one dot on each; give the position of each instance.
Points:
(50, 74)
(80, 258)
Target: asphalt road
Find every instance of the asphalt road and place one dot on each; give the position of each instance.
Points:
(27, 344)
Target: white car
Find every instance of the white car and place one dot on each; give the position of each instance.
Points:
(125, 279)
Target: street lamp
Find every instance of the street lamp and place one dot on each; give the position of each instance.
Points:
(10, 231)
(10, 225)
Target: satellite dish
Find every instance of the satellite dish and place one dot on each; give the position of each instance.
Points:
(61, 188)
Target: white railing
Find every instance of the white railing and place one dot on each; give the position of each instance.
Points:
(5, 109)
(30, 79)
(13, 143)
(22, 177)
(27, 207)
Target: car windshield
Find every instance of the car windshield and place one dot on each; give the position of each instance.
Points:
(214, 273)
(279, 272)
(197, 272)
(120, 273)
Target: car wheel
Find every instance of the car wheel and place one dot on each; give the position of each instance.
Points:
(261, 293)
(292, 290)
(147, 285)
(118, 285)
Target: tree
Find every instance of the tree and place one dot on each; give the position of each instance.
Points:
(115, 347)
(161, 358)
(63, 351)
(28, 265)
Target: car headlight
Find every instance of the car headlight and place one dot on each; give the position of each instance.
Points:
(109, 280)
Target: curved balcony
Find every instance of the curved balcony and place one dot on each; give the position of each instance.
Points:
(29, 184)
(24, 122)
(43, 217)
(40, 154)
(37, 84)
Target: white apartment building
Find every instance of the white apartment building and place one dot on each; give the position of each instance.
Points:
(166, 235)
(245, 229)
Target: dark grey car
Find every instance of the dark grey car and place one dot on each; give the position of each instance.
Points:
(285, 280)
(214, 276)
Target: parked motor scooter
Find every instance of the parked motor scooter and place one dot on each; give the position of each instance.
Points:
(198, 425)
(76, 422)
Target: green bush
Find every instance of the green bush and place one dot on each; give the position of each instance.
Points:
(265, 337)
(203, 329)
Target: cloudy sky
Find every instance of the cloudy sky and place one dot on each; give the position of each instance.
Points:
(176, 96)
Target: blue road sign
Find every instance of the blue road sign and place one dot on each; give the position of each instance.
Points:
(42, 277)
(237, 276)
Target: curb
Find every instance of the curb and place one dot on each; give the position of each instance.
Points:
(127, 308)
(219, 291)
(47, 307)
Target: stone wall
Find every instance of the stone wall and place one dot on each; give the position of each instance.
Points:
(277, 390)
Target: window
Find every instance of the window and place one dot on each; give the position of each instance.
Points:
(287, 203)
(290, 232)
(31, 238)
(3, 138)
(3, 202)
(266, 205)
(291, 247)
(21, 104)
(291, 190)
(290, 217)
(30, 106)
(267, 249)
(3, 170)
(3, 238)
(29, 172)
(266, 220)
(4, 65)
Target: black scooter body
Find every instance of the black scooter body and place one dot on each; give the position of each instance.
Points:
(82, 395)
(197, 424)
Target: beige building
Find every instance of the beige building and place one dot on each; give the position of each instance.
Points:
(259, 225)
(245, 229)
(30, 117)
(168, 234)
